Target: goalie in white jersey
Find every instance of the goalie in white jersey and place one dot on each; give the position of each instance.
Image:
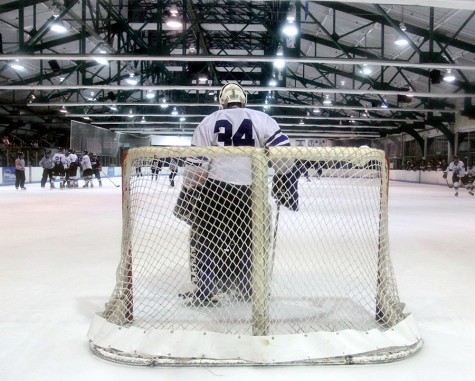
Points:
(216, 197)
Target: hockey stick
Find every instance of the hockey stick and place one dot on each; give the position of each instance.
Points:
(110, 179)
(274, 244)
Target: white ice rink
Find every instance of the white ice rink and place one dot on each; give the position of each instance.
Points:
(60, 249)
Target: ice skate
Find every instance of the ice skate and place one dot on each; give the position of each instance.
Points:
(197, 299)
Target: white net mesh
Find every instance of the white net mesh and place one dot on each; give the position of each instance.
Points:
(290, 255)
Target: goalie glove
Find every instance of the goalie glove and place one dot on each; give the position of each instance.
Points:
(285, 190)
(186, 204)
(444, 175)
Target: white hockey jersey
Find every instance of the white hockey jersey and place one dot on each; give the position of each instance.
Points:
(458, 169)
(236, 127)
(86, 162)
(59, 159)
(71, 158)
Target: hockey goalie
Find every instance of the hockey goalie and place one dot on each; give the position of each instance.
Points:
(216, 198)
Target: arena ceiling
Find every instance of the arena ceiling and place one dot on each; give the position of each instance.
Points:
(118, 64)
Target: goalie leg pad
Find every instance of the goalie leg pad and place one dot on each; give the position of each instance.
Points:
(223, 219)
(285, 189)
(185, 208)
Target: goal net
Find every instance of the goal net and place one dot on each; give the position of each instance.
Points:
(289, 267)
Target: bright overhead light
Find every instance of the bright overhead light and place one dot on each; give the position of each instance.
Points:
(266, 106)
(272, 82)
(101, 61)
(401, 41)
(143, 120)
(16, 65)
(63, 110)
(290, 29)
(449, 77)
(173, 21)
(316, 111)
(366, 70)
(150, 94)
(58, 27)
(132, 80)
(279, 62)
(301, 122)
(131, 114)
(327, 100)
(163, 103)
(174, 111)
(182, 119)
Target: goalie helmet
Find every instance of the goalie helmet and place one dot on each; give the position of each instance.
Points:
(232, 93)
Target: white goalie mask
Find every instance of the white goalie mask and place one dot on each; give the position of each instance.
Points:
(232, 93)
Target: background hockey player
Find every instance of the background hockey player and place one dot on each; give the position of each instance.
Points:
(457, 168)
(59, 165)
(20, 171)
(96, 168)
(46, 163)
(72, 171)
(173, 167)
(155, 167)
(86, 169)
(469, 178)
(221, 198)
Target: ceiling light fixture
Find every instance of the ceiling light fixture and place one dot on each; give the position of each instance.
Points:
(63, 110)
(58, 26)
(132, 80)
(279, 62)
(173, 21)
(449, 77)
(101, 61)
(163, 103)
(327, 100)
(273, 82)
(290, 29)
(16, 65)
(366, 70)
(401, 39)
(150, 94)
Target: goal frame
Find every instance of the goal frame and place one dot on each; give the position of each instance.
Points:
(118, 340)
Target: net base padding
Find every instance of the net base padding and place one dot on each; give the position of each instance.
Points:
(126, 345)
